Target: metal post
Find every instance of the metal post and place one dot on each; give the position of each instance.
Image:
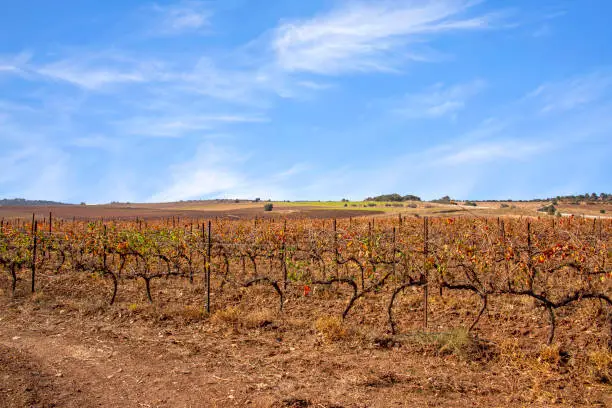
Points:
(426, 274)
(208, 250)
(34, 231)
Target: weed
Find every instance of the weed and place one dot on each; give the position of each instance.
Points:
(229, 315)
(331, 328)
(600, 366)
(192, 314)
(550, 355)
(258, 319)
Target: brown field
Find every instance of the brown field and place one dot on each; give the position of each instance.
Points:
(249, 210)
(184, 210)
(66, 346)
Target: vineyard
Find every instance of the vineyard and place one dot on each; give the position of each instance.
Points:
(542, 281)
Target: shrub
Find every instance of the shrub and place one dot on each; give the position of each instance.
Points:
(602, 211)
(600, 366)
(229, 316)
(549, 209)
(268, 207)
(331, 328)
(443, 200)
(504, 205)
(470, 203)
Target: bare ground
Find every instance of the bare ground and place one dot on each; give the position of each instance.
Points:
(65, 347)
(150, 211)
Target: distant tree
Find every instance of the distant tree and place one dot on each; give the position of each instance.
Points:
(268, 207)
(411, 197)
(394, 198)
(444, 200)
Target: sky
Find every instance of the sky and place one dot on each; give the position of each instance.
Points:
(128, 100)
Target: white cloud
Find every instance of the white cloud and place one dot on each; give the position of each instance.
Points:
(38, 171)
(439, 100)
(514, 150)
(210, 172)
(96, 141)
(13, 64)
(572, 93)
(184, 17)
(179, 125)
(95, 71)
(370, 36)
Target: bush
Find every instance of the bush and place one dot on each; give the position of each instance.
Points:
(331, 329)
(504, 205)
(470, 203)
(268, 207)
(602, 211)
(549, 209)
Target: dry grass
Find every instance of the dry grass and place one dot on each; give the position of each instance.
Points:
(258, 319)
(457, 342)
(331, 328)
(600, 366)
(550, 355)
(229, 316)
(191, 314)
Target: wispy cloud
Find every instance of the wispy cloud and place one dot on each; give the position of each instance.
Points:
(572, 93)
(181, 18)
(439, 100)
(176, 126)
(485, 152)
(97, 71)
(95, 141)
(210, 172)
(43, 172)
(370, 36)
(13, 64)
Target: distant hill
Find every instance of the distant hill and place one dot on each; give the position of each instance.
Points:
(22, 202)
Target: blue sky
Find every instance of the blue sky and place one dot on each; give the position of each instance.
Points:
(131, 100)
